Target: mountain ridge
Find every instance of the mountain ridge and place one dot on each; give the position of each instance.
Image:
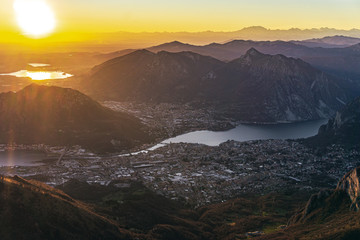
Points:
(255, 83)
(63, 116)
(36, 211)
(278, 87)
(144, 75)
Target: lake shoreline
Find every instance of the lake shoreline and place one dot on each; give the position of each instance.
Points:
(164, 142)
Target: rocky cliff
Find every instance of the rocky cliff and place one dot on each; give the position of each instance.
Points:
(351, 185)
(344, 129)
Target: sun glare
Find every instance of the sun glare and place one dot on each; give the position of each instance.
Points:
(35, 17)
(46, 75)
(38, 75)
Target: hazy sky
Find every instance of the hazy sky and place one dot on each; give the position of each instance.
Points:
(193, 15)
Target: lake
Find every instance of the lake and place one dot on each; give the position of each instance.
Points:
(39, 75)
(21, 158)
(37, 65)
(246, 132)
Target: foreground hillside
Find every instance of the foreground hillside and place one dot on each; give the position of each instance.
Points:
(34, 210)
(329, 214)
(31, 210)
(59, 116)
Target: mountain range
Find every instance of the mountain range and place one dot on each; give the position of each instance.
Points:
(343, 62)
(338, 55)
(255, 87)
(60, 116)
(257, 33)
(330, 42)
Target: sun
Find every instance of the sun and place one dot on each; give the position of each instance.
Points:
(34, 17)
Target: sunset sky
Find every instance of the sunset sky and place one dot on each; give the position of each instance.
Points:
(190, 15)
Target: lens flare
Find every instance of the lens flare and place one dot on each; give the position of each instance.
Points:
(34, 17)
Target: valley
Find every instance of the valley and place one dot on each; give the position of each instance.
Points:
(109, 136)
(199, 174)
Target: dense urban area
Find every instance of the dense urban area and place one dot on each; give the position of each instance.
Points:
(200, 174)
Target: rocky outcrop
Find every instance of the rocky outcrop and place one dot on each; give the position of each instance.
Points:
(351, 185)
(315, 202)
(344, 129)
(328, 202)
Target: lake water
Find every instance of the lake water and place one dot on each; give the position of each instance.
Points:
(246, 132)
(21, 158)
(36, 65)
(39, 75)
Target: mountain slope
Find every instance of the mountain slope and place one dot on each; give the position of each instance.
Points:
(145, 76)
(59, 116)
(32, 210)
(329, 214)
(276, 88)
(341, 61)
(254, 87)
(343, 129)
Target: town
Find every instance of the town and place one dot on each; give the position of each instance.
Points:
(199, 174)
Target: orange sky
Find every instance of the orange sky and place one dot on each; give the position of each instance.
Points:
(186, 15)
(78, 20)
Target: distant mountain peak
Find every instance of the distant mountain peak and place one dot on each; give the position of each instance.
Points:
(254, 28)
(253, 53)
(176, 42)
(355, 47)
(141, 51)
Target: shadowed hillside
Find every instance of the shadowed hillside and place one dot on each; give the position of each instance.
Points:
(344, 129)
(31, 210)
(59, 116)
(329, 214)
(255, 87)
(145, 76)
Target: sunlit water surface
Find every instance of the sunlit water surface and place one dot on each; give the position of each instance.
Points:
(39, 65)
(39, 75)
